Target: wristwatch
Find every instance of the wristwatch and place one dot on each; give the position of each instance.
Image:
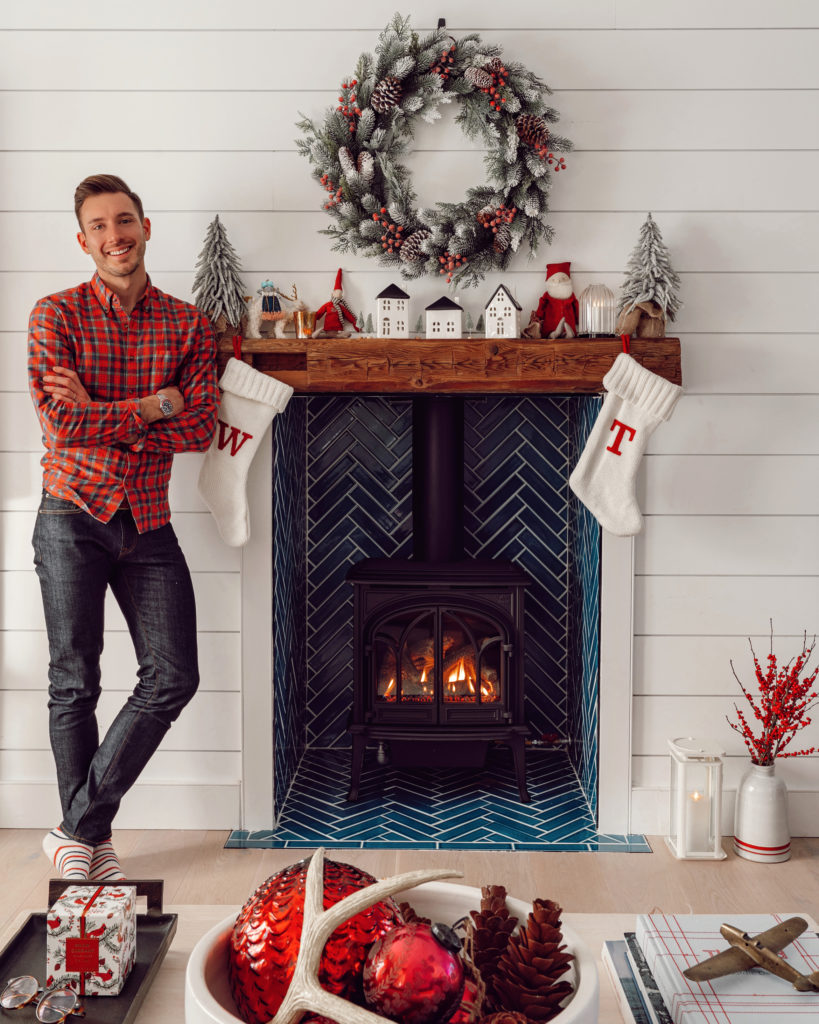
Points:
(165, 405)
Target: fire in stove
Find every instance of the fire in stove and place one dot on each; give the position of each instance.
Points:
(470, 666)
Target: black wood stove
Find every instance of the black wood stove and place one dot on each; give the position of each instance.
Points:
(438, 640)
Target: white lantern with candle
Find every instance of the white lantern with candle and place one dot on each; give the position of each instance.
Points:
(696, 799)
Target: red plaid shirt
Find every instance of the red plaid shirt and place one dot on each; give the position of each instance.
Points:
(91, 456)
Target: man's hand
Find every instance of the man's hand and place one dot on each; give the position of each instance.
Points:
(64, 385)
(149, 406)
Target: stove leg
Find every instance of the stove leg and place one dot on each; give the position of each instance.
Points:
(519, 754)
(359, 745)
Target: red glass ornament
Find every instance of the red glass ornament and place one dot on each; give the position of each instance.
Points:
(468, 1009)
(414, 974)
(264, 944)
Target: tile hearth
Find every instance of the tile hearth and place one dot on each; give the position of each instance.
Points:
(436, 809)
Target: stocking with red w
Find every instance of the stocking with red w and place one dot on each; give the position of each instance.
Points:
(250, 400)
(605, 476)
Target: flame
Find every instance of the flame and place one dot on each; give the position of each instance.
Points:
(458, 674)
(390, 688)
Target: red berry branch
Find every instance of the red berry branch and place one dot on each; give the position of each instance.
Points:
(443, 65)
(393, 237)
(500, 77)
(558, 162)
(451, 262)
(347, 103)
(334, 190)
(489, 218)
(782, 707)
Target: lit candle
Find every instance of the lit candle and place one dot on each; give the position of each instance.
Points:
(697, 823)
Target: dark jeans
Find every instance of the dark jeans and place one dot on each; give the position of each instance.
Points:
(77, 558)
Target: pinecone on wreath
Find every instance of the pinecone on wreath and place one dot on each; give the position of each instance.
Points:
(488, 934)
(411, 249)
(480, 78)
(503, 238)
(527, 974)
(386, 94)
(532, 129)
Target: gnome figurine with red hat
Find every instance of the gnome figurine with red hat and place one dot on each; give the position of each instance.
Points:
(557, 310)
(335, 310)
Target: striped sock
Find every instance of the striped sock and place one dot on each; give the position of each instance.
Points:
(70, 857)
(105, 864)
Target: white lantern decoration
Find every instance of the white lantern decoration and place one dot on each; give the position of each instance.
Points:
(597, 311)
(696, 799)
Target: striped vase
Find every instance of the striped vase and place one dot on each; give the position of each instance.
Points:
(761, 817)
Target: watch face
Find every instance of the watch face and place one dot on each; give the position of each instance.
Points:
(165, 405)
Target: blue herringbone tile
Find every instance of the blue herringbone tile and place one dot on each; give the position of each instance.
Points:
(317, 813)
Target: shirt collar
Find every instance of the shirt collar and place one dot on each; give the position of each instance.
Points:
(106, 297)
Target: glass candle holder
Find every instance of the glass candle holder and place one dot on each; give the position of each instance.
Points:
(305, 322)
(597, 311)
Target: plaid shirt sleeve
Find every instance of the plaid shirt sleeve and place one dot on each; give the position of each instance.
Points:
(192, 429)
(64, 424)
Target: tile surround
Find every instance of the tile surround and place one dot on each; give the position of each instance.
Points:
(342, 491)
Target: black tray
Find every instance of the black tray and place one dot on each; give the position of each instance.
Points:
(26, 954)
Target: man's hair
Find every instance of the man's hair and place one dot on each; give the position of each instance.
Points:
(100, 184)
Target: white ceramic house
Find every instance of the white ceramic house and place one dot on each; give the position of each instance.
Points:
(444, 319)
(502, 314)
(392, 312)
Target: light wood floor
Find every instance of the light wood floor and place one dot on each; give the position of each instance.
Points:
(197, 869)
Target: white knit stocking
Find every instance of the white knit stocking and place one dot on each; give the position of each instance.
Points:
(604, 478)
(250, 400)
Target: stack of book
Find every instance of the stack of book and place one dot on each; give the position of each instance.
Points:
(645, 969)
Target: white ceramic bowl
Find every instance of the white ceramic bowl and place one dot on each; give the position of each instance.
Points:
(207, 992)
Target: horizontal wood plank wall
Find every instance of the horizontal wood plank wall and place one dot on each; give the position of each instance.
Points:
(703, 113)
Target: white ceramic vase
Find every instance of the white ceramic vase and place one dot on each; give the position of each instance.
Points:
(761, 830)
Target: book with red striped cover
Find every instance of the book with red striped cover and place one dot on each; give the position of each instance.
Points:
(673, 942)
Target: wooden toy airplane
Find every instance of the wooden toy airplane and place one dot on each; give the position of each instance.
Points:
(761, 951)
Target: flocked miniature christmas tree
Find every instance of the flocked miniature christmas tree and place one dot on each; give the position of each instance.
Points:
(649, 275)
(469, 324)
(369, 328)
(480, 327)
(419, 325)
(217, 288)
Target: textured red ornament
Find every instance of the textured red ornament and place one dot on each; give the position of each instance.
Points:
(412, 976)
(469, 1008)
(264, 944)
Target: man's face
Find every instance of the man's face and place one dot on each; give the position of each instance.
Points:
(113, 235)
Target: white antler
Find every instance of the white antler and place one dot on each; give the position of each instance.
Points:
(305, 994)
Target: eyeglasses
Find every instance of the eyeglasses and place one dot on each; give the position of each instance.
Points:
(52, 1008)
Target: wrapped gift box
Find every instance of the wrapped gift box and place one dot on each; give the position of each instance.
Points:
(91, 939)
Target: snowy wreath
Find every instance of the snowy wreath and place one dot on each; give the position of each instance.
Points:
(355, 155)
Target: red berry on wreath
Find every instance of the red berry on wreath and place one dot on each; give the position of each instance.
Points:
(415, 974)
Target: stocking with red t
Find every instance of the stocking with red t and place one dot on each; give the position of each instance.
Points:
(604, 477)
(250, 400)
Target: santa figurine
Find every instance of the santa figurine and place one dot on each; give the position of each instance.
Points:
(557, 310)
(335, 310)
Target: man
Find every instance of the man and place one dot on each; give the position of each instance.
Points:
(122, 376)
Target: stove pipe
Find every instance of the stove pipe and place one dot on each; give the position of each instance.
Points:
(438, 478)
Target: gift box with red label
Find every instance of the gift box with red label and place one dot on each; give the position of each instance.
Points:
(91, 939)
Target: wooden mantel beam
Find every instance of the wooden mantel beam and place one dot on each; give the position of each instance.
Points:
(476, 365)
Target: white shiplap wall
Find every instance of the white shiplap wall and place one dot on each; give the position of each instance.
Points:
(703, 112)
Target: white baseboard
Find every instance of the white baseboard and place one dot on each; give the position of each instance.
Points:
(650, 811)
(173, 805)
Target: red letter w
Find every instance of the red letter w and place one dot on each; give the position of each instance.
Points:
(232, 437)
(623, 427)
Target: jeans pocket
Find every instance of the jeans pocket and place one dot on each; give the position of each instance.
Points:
(51, 506)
